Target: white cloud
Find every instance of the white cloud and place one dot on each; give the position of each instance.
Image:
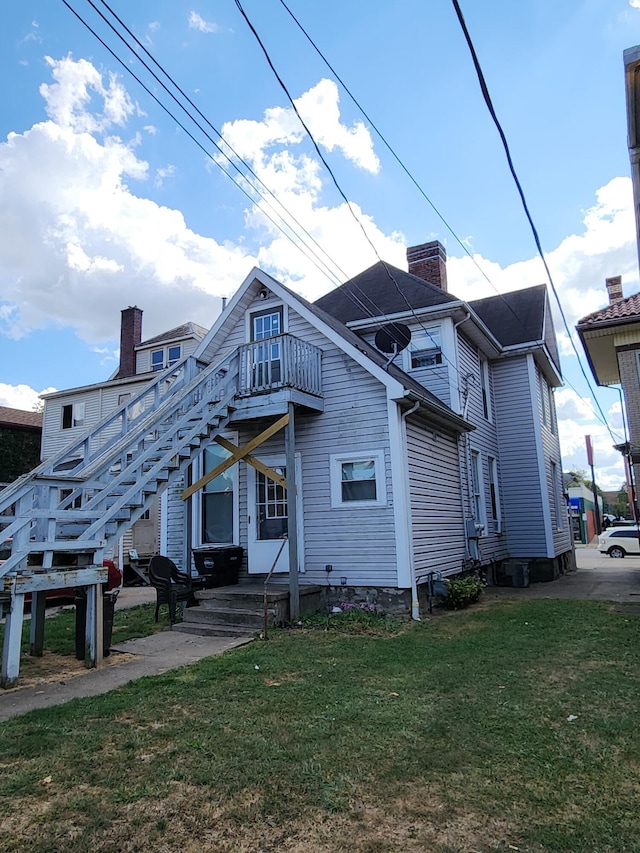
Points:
(197, 22)
(76, 244)
(77, 82)
(635, 4)
(579, 265)
(21, 396)
(163, 173)
(154, 26)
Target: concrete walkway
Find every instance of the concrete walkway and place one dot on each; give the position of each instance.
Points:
(153, 655)
(598, 577)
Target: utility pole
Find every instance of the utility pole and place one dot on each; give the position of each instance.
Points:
(596, 508)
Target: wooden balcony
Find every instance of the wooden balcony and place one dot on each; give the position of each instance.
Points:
(276, 371)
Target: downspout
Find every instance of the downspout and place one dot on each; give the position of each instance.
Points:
(415, 606)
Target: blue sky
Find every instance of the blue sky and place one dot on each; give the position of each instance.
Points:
(106, 202)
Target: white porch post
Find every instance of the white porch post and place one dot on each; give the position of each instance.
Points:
(292, 504)
(12, 642)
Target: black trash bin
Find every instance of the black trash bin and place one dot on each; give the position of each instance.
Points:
(108, 608)
(218, 566)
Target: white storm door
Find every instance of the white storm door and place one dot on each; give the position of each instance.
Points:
(268, 519)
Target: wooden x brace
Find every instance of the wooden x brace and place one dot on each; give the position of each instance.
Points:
(238, 453)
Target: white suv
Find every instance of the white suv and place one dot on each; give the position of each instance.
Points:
(619, 541)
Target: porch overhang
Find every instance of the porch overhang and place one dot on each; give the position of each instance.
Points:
(273, 403)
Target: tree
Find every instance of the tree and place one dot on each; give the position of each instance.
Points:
(621, 504)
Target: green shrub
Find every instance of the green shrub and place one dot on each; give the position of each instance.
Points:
(461, 592)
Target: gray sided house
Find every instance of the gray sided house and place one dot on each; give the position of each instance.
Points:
(417, 431)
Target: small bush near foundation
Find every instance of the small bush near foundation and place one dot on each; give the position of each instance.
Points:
(461, 592)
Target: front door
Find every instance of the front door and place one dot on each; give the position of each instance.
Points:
(268, 519)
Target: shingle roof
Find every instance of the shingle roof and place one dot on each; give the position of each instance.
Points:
(620, 310)
(513, 318)
(184, 331)
(18, 417)
(374, 292)
(516, 317)
(437, 407)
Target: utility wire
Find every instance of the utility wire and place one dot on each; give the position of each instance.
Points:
(505, 145)
(213, 142)
(325, 272)
(334, 179)
(397, 158)
(208, 123)
(183, 128)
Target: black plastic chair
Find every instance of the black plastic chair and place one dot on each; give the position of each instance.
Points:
(171, 585)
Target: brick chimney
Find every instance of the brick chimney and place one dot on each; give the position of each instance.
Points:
(614, 288)
(130, 337)
(429, 262)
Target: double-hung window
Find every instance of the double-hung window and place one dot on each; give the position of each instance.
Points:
(477, 491)
(73, 415)
(357, 480)
(165, 357)
(485, 387)
(425, 349)
(558, 503)
(494, 493)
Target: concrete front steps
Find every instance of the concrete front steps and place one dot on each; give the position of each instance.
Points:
(238, 611)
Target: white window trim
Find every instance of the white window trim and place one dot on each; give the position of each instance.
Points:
(429, 346)
(78, 415)
(164, 349)
(196, 512)
(485, 387)
(493, 480)
(335, 467)
(257, 307)
(557, 495)
(481, 510)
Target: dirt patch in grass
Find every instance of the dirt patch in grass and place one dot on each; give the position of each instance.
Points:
(189, 819)
(55, 667)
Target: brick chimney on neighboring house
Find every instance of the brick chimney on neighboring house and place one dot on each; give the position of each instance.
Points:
(429, 262)
(614, 288)
(130, 337)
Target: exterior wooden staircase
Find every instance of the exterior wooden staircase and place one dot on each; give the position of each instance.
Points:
(64, 512)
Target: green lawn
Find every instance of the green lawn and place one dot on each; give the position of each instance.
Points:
(451, 735)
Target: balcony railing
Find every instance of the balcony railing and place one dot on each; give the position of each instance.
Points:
(280, 362)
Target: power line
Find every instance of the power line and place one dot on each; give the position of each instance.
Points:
(398, 159)
(334, 179)
(503, 138)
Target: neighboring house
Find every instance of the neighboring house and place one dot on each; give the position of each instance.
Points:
(70, 413)
(20, 437)
(611, 340)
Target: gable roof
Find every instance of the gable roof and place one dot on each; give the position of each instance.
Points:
(374, 293)
(186, 330)
(367, 356)
(516, 317)
(618, 312)
(20, 418)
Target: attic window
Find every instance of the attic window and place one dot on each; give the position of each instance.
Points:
(165, 357)
(425, 349)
